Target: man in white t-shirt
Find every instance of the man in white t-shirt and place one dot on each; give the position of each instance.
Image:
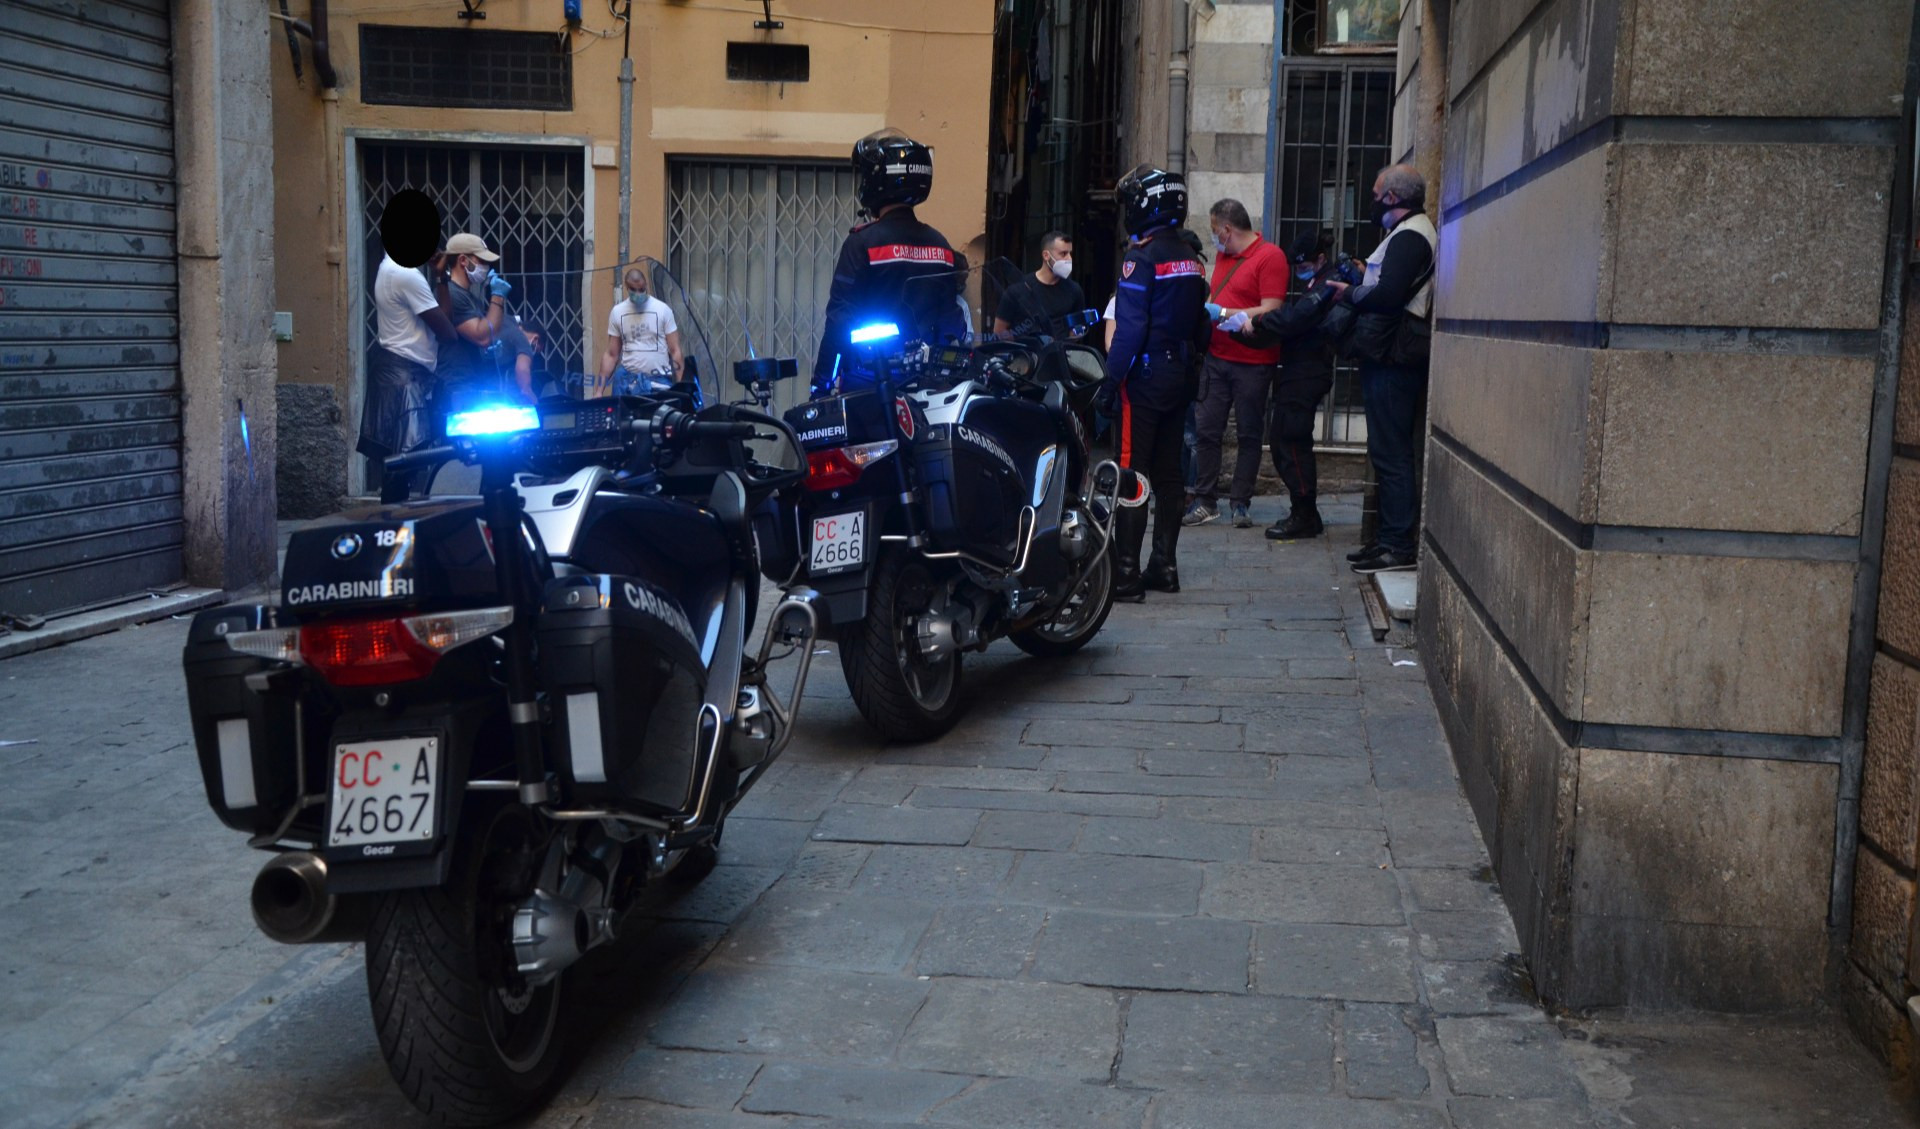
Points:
(642, 340)
(410, 322)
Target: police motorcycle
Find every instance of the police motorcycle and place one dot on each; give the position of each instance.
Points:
(950, 500)
(473, 730)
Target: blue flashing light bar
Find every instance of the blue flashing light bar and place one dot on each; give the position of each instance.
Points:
(493, 419)
(878, 331)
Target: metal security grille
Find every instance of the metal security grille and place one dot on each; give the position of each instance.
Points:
(1336, 122)
(529, 204)
(90, 484)
(434, 66)
(754, 245)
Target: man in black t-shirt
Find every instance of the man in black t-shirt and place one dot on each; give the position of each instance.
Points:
(1041, 302)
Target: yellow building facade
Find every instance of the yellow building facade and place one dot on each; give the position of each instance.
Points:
(739, 143)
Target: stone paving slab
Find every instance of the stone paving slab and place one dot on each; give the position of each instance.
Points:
(1216, 870)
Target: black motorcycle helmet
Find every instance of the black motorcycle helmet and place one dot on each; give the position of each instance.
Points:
(892, 168)
(1152, 197)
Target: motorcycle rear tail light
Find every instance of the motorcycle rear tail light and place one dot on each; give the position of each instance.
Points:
(369, 652)
(841, 466)
(365, 652)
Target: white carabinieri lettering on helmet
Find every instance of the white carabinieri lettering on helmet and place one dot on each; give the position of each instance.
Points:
(985, 444)
(644, 600)
(393, 589)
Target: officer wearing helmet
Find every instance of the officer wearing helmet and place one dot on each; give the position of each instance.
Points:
(1161, 329)
(893, 268)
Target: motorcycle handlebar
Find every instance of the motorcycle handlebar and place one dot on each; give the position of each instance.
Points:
(425, 456)
(718, 429)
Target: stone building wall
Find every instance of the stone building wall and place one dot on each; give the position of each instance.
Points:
(1230, 108)
(1881, 980)
(1653, 388)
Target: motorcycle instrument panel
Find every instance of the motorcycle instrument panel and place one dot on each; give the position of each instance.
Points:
(839, 543)
(385, 795)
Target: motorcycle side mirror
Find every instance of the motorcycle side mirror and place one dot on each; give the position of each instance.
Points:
(765, 370)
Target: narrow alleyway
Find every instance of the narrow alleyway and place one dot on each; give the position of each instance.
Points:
(1214, 872)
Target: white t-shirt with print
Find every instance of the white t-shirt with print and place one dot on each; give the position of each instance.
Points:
(643, 334)
(400, 296)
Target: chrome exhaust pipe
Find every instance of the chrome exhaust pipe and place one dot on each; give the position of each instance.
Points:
(291, 904)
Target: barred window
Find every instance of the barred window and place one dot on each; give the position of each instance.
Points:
(464, 67)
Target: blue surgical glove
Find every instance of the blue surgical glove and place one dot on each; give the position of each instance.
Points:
(1214, 311)
(499, 287)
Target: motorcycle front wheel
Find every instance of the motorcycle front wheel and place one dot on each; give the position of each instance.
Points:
(464, 1049)
(1079, 619)
(901, 692)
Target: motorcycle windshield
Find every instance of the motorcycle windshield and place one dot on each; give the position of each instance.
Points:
(694, 311)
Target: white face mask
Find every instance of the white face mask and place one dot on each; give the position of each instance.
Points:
(477, 274)
(1063, 269)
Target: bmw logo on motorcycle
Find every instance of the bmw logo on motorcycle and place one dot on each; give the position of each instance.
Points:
(346, 546)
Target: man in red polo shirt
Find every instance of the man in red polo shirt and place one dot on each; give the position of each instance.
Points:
(1249, 278)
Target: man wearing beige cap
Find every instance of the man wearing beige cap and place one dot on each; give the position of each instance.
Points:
(477, 301)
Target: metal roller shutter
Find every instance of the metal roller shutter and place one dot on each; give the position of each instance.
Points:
(90, 479)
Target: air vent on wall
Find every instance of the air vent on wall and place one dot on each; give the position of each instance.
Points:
(768, 62)
(465, 67)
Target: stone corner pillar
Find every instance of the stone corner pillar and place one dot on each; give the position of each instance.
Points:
(1656, 360)
(223, 157)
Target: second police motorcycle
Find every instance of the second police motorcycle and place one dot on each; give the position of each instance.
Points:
(950, 499)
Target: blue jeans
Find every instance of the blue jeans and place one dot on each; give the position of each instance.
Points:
(1396, 400)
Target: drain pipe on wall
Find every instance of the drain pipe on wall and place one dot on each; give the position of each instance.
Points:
(1177, 90)
(626, 148)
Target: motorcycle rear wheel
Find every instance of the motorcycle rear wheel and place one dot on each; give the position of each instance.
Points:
(1078, 620)
(463, 1049)
(898, 690)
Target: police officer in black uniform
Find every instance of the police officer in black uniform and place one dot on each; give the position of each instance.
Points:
(893, 268)
(1160, 330)
(1306, 376)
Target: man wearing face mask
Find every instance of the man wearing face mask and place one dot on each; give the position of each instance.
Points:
(1394, 302)
(477, 300)
(1041, 302)
(642, 339)
(1249, 279)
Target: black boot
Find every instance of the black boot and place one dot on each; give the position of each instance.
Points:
(1303, 522)
(1162, 573)
(1129, 529)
